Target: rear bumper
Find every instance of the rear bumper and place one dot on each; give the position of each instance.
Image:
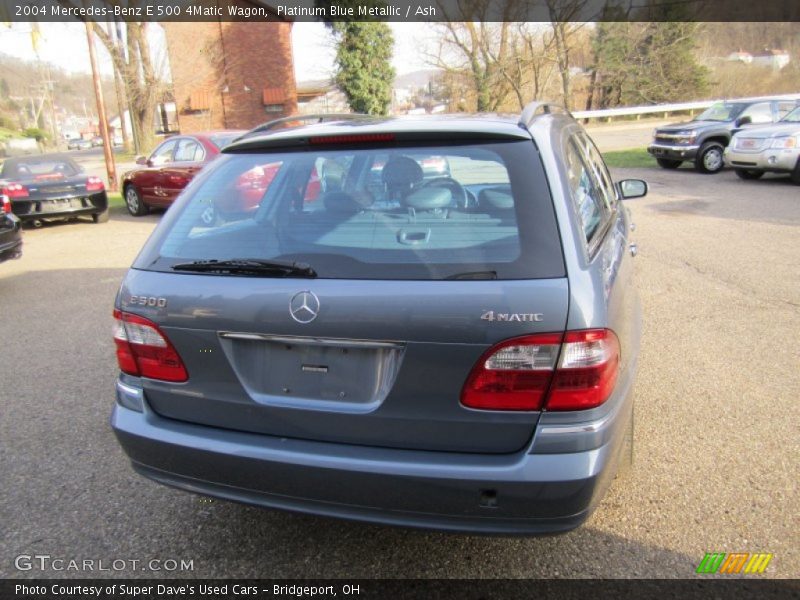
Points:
(673, 152)
(10, 238)
(52, 208)
(776, 160)
(521, 494)
(10, 249)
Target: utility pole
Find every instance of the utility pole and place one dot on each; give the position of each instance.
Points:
(108, 154)
(114, 34)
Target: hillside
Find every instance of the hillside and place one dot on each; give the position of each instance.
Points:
(21, 91)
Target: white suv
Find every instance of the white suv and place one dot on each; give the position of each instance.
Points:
(773, 148)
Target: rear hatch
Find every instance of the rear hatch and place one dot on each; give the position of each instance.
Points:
(414, 283)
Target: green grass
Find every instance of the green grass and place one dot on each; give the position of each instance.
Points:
(124, 156)
(115, 200)
(629, 159)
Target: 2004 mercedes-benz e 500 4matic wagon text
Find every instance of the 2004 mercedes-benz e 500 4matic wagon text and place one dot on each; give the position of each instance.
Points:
(453, 352)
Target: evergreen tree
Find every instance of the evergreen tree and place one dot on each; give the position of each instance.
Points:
(364, 70)
(647, 63)
(669, 71)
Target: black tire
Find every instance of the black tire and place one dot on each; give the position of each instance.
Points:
(795, 176)
(134, 203)
(101, 217)
(748, 173)
(666, 163)
(709, 158)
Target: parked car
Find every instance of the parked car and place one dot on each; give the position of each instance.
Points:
(169, 168)
(97, 141)
(392, 355)
(52, 186)
(10, 231)
(773, 148)
(79, 144)
(703, 139)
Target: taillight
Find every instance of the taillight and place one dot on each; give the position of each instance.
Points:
(587, 370)
(513, 375)
(144, 350)
(95, 184)
(573, 371)
(6, 204)
(15, 190)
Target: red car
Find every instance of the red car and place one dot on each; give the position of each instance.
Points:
(169, 169)
(251, 186)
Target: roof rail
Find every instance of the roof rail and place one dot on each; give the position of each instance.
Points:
(535, 109)
(315, 118)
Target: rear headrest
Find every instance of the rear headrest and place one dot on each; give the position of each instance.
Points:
(401, 172)
(496, 198)
(429, 198)
(341, 202)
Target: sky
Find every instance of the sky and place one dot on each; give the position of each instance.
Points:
(64, 45)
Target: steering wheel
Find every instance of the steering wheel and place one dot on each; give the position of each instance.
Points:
(459, 192)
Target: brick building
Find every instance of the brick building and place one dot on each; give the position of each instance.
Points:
(231, 75)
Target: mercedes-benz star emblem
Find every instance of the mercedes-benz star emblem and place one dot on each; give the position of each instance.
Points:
(304, 307)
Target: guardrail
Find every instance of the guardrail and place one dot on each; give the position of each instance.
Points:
(666, 109)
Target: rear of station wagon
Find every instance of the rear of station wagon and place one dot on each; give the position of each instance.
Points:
(454, 352)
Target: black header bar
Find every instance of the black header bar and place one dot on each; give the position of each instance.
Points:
(399, 10)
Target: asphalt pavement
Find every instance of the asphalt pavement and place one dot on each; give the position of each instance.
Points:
(717, 417)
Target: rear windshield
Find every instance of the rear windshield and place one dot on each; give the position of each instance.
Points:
(220, 140)
(721, 111)
(31, 169)
(467, 211)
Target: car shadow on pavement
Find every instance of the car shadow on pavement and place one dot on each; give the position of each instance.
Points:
(243, 541)
(772, 199)
(120, 213)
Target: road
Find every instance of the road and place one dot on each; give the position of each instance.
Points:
(717, 439)
(626, 135)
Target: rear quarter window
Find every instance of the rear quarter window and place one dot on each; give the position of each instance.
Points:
(407, 212)
(587, 198)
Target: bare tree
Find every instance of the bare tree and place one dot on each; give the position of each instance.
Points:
(473, 50)
(134, 63)
(540, 59)
(565, 36)
(481, 50)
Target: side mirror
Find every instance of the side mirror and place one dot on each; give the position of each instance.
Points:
(746, 120)
(633, 188)
(142, 160)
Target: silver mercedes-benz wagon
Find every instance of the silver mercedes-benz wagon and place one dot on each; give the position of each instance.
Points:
(427, 322)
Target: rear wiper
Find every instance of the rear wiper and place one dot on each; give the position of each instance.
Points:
(474, 275)
(253, 267)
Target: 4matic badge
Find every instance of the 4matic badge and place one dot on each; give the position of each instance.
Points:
(491, 315)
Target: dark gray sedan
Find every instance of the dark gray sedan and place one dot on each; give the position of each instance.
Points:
(41, 187)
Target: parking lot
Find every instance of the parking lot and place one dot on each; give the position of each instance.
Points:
(717, 417)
